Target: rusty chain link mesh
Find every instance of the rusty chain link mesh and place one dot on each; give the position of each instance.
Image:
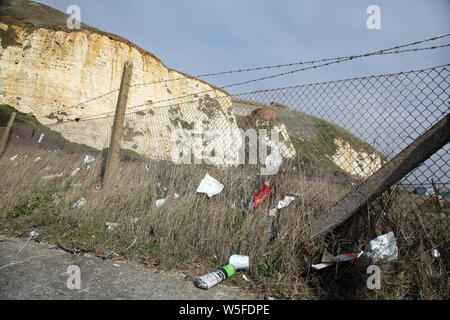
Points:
(350, 127)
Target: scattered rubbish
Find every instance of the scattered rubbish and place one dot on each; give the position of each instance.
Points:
(269, 224)
(79, 203)
(58, 194)
(46, 169)
(435, 253)
(285, 202)
(64, 249)
(259, 197)
(88, 159)
(383, 247)
(239, 262)
(116, 265)
(41, 138)
(109, 255)
(32, 234)
(75, 171)
(176, 196)
(53, 176)
(111, 225)
(213, 278)
(147, 168)
(160, 203)
(134, 220)
(37, 159)
(210, 186)
(94, 190)
(57, 151)
(273, 212)
(245, 278)
(132, 244)
(214, 256)
(14, 157)
(328, 259)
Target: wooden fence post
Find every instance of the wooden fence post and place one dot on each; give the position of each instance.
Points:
(113, 158)
(6, 133)
(403, 163)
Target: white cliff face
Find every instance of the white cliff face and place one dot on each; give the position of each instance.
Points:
(284, 144)
(51, 74)
(358, 163)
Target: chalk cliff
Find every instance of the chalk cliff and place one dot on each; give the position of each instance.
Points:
(52, 72)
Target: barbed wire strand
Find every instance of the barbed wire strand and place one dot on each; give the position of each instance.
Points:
(260, 79)
(340, 59)
(108, 114)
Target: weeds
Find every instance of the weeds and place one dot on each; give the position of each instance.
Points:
(198, 233)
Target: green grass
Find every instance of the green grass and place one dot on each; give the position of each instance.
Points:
(8, 38)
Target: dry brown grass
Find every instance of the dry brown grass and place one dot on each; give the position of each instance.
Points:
(197, 234)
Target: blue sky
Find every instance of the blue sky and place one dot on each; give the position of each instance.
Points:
(201, 36)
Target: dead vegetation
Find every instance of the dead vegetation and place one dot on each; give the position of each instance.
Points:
(197, 234)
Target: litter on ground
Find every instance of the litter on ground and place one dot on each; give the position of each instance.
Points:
(106, 256)
(41, 138)
(32, 234)
(13, 157)
(75, 171)
(134, 220)
(53, 176)
(79, 203)
(435, 253)
(213, 278)
(210, 186)
(383, 247)
(328, 259)
(285, 202)
(111, 225)
(239, 262)
(132, 244)
(160, 203)
(259, 197)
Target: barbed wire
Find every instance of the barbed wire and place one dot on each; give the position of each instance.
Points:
(108, 114)
(260, 79)
(334, 60)
(295, 63)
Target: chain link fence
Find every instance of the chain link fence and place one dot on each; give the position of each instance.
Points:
(349, 127)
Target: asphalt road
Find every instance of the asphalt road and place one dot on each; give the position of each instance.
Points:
(41, 271)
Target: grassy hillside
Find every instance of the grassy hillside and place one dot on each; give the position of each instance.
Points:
(313, 138)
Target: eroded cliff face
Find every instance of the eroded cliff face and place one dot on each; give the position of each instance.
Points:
(358, 163)
(51, 74)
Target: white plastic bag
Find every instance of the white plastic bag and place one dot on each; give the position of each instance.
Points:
(285, 202)
(383, 247)
(210, 186)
